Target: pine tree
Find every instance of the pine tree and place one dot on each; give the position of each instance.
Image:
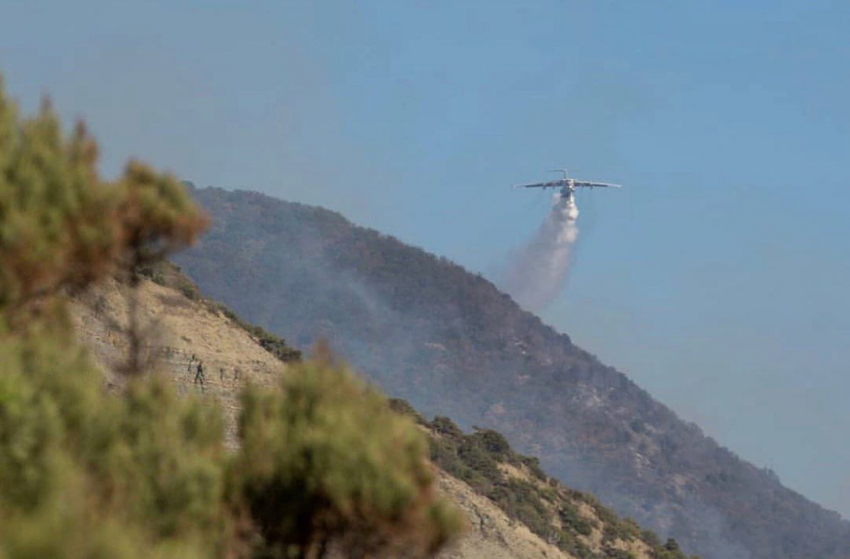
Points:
(145, 473)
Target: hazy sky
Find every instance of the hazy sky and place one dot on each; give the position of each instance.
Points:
(717, 279)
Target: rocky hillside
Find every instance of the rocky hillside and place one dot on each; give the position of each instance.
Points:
(453, 345)
(514, 510)
(182, 333)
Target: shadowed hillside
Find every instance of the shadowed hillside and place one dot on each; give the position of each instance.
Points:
(449, 342)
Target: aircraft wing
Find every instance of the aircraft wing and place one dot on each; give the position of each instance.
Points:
(589, 184)
(550, 184)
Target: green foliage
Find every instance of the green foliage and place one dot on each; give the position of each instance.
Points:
(347, 467)
(546, 508)
(670, 550)
(445, 426)
(324, 460)
(404, 408)
(475, 459)
(61, 226)
(650, 538)
(87, 474)
(156, 215)
(522, 500)
(568, 542)
(143, 473)
(492, 442)
(275, 345)
(56, 225)
(533, 465)
(569, 517)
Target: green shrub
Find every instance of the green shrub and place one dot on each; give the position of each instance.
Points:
(650, 538)
(143, 473)
(275, 345)
(325, 461)
(84, 472)
(533, 465)
(445, 426)
(403, 407)
(492, 442)
(570, 517)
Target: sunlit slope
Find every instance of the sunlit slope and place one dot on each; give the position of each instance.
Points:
(183, 329)
(449, 342)
(181, 333)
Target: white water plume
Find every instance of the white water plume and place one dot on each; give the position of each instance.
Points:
(537, 273)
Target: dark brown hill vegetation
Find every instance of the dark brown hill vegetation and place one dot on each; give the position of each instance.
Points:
(449, 342)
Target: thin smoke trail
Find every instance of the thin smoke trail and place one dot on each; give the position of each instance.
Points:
(537, 273)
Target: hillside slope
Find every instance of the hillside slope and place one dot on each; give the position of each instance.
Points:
(184, 330)
(182, 333)
(449, 342)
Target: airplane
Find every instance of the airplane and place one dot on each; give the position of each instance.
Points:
(568, 185)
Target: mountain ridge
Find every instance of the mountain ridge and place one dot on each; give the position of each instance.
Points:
(454, 345)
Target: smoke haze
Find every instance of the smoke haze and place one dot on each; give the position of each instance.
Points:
(538, 271)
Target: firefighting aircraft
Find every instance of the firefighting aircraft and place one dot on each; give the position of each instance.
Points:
(568, 185)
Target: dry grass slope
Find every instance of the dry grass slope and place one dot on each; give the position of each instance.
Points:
(181, 328)
(182, 331)
(180, 334)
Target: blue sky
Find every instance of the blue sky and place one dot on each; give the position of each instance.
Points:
(717, 279)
